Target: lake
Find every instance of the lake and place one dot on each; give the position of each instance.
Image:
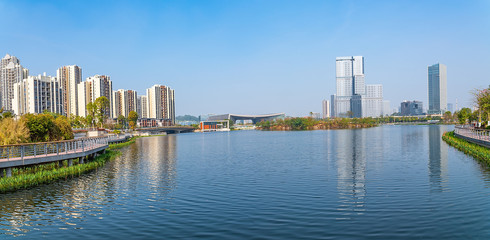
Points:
(379, 183)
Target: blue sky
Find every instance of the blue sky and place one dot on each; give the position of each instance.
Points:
(252, 57)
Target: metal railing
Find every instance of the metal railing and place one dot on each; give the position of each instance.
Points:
(33, 150)
(471, 132)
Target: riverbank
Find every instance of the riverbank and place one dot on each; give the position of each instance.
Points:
(482, 154)
(23, 178)
(292, 124)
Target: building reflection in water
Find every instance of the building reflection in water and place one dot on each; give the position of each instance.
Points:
(437, 159)
(351, 170)
(147, 167)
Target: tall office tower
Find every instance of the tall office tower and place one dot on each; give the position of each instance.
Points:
(124, 101)
(437, 88)
(161, 103)
(349, 82)
(69, 78)
(325, 109)
(93, 88)
(11, 72)
(142, 107)
(37, 94)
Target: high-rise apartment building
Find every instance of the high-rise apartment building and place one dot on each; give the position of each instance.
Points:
(69, 78)
(124, 101)
(161, 103)
(11, 72)
(37, 94)
(93, 88)
(437, 88)
(142, 107)
(325, 109)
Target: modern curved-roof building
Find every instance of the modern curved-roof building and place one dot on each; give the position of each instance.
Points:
(254, 118)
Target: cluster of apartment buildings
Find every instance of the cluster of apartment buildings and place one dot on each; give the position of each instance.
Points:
(354, 98)
(68, 95)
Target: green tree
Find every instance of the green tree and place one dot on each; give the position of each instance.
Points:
(64, 126)
(121, 121)
(464, 115)
(132, 118)
(447, 116)
(483, 101)
(102, 109)
(91, 110)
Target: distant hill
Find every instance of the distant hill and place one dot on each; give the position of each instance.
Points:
(187, 118)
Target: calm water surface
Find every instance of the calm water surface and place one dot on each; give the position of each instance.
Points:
(379, 183)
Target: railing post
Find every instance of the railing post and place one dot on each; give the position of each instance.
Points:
(83, 146)
(8, 153)
(66, 147)
(57, 149)
(34, 150)
(22, 149)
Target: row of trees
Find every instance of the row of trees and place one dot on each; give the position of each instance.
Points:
(481, 112)
(97, 114)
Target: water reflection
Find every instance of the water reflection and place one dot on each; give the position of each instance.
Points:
(437, 159)
(351, 170)
(147, 167)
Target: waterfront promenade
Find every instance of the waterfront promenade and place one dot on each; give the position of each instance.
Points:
(474, 135)
(20, 155)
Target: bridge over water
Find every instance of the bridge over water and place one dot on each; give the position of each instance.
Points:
(168, 129)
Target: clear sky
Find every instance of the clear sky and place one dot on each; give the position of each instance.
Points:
(252, 57)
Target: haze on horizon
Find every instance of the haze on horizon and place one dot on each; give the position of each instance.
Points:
(253, 57)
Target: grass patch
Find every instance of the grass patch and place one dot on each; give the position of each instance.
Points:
(23, 178)
(474, 150)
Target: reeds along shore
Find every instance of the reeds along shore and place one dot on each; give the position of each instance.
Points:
(23, 178)
(474, 150)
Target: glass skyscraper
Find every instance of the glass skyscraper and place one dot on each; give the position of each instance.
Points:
(437, 88)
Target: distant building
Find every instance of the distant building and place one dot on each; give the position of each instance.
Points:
(387, 111)
(437, 88)
(349, 74)
(11, 72)
(325, 109)
(37, 94)
(355, 98)
(124, 101)
(161, 102)
(69, 78)
(142, 107)
(93, 88)
(450, 107)
(372, 102)
(411, 108)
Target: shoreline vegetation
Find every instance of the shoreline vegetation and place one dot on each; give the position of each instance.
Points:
(314, 124)
(28, 177)
(478, 152)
